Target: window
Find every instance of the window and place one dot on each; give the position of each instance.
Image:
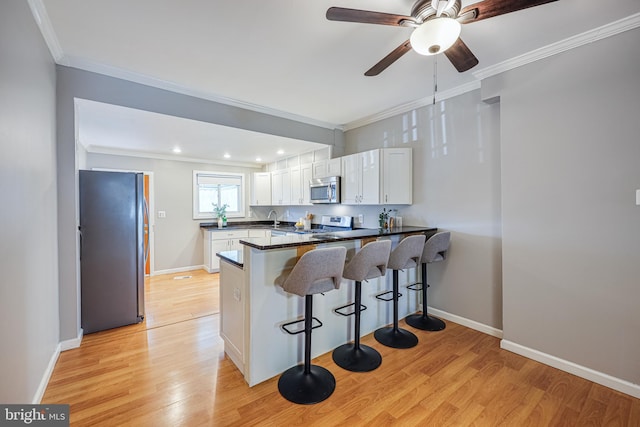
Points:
(211, 189)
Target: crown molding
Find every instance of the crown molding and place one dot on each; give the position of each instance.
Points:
(41, 17)
(413, 105)
(590, 36)
(611, 29)
(97, 149)
(39, 12)
(135, 77)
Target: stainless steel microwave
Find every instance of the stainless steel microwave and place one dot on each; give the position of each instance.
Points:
(325, 190)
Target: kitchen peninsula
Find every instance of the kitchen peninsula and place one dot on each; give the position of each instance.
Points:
(253, 307)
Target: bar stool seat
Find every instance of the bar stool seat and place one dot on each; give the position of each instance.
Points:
(405, 255)
(317, 271)
(435, 250)
(368, 263)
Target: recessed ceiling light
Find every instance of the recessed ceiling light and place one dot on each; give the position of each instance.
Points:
(280, 151)
(226, 155)
(258, 159)
(177, 150)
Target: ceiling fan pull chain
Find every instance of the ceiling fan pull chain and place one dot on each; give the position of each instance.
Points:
(435, 77)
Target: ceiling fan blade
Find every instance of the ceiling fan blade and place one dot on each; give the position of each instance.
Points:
(366, 16)
(490, 8)
(389, 59)
(461, 56)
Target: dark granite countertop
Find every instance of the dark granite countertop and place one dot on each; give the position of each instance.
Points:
(234, 257)
(248, 225)
(290, 241)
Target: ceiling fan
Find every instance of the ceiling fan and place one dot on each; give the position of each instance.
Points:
(437, 27)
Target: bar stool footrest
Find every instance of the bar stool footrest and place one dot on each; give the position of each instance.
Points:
(382, 298)
(284, 326)
(416, 286)
(350, 313)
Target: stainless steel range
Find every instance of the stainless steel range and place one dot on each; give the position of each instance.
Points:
(330, 223)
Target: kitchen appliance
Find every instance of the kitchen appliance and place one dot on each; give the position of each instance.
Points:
(330, 223)
(112, 259)
(325, 190)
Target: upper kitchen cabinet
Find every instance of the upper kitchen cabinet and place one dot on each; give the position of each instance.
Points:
(281, 187)
(300, 177)
(397, 176)
(261, 189)
(328, 167)
(383, 176)
(361, 178)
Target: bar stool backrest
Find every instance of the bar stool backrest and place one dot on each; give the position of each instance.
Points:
(408, 252)
(436, 247)
(319, 270)
(369, 262)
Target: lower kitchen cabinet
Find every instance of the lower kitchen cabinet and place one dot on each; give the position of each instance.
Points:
(219, 241)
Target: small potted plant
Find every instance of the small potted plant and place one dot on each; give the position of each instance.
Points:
(221, 214)
(383, 219)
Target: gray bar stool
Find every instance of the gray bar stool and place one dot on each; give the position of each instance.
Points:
(317, 271)
(406, 255)
(435, 250)
(368, 263)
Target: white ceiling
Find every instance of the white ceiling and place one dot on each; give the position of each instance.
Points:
(285, 56)
(112, 129)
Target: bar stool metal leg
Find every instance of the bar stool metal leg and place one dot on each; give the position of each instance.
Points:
(354, 356)
(307, 384)
(394, 336)
(424, 321)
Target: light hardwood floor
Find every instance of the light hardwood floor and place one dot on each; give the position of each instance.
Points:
(171, 371)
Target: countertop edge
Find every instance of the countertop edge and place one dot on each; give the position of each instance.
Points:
(341, 237)
(232, 257)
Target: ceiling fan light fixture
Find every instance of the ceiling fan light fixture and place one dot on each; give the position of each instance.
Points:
(435, 35)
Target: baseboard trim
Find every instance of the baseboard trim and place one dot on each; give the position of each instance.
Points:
(72, 343)
(481, 327)
(42, 387)
(606, 380)
(178, 270)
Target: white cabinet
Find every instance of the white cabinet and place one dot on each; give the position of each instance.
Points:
(334, 167)
(397, 176)
(281, 187)
(232, 312)
(300, 177)
(219, 241)
(330, 167)
(361, 178)
(261, 189)
(383, 176)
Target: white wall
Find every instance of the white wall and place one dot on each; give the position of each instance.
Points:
(571, 229)
(178, 242)
(456, 168)
(28, 232)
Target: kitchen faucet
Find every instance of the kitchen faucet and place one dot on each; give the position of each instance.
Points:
(275, 218)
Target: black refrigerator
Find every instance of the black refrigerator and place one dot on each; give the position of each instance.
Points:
(112, 258)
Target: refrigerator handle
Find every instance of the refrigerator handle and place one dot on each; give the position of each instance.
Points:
(80, 233)
(148, 231)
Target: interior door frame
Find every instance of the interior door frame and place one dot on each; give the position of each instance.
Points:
(152, 220)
